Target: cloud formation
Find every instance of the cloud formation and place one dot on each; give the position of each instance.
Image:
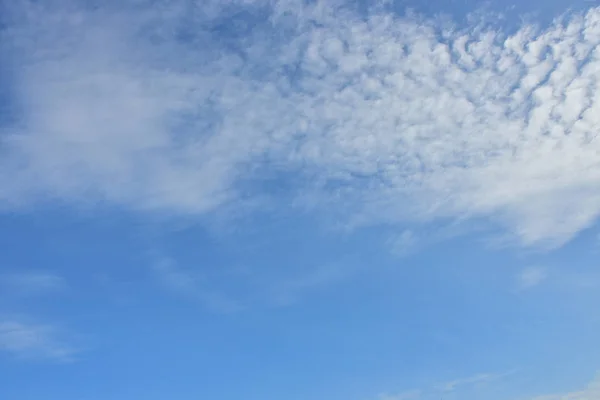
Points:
(479, 379)
(381, 117)
(482, 381)
(590, 392)
(194, 286)
(33, 342)
(230, 290)
(409, 395)
(530, 277)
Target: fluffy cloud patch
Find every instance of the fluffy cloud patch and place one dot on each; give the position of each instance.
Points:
(383, 118)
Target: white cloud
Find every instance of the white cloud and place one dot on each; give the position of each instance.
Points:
(33, 342)
(383, 119)
(530, 277)
(31, 283)
(591, 392)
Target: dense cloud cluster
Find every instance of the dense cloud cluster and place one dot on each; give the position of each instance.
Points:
(387, 118)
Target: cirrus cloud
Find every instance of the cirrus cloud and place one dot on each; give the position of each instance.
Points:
(33, 342)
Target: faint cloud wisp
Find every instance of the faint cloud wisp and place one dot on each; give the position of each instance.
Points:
(531, 277)
(32, 283)
(34, 342)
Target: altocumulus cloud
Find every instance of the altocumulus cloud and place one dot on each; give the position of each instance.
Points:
(386, 118)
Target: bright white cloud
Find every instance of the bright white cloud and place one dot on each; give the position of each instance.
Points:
(33, 342)
(384, 119)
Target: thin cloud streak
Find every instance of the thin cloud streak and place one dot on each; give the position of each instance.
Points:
(33, 342)
(590, 392)
(531, 277)
(191, 285)
(33, 283)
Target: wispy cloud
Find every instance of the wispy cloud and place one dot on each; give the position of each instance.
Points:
(531, 277)
(222, 291)
(475, 380)
(380, 118)
(33, 342)
(480, 381)
(190, 284)
(408, 395)
(31, 283)
(288, 290)
(403, 243)
(591, 392)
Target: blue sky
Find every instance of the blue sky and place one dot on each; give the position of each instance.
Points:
(299, 200)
